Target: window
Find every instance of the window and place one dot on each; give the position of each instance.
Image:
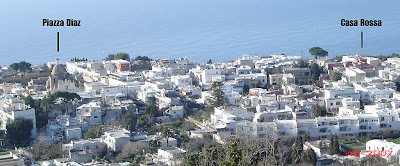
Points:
(338, 103)
(95, 116)
(331, 104)
(382, 118)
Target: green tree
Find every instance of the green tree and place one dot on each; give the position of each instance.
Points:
(302, 63)
(25, 67)
(128, 121)
(336, 76)
(122, 55)
(94, 132)
(144, 58)
(65, 95)
(320, 145)
(152, 110)
(306, 138)
(234, 152)
(309, 156)
(41, 117)
(316, 71)
(318, 52)
(217, 97)
(338, 58)
(30, 102)
(183, 138)
(397, 83)
(45, 102)
(209, 61)
(19, 131)
(214, 155)
(110, 57)
(45, 68)
(15, 67)
(254, 84)
(142, 122)
(335, 148)
(154, 145)
(297, 150)
(68, 97)
(246, 89)
(318, 111)
(385, 57)
(330, 148)
(166, 132)
(193, 159)
(21, 67)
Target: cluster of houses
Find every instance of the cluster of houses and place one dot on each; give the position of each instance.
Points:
(363, 102)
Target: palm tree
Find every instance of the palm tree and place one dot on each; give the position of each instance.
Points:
(166, 132)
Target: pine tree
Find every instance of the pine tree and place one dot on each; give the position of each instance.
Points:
(320, 145)
(309, 156)
(297, 150)
(335, 148)
(234, 153)
(306, 138)
(330, 148)
(217, 98)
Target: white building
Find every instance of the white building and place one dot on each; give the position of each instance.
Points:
(355, 75)
(92, 145)
(383, 147)
(90, 113)
(170, 155)
(176, 112)
(12, 108)
(233, 113)
(116, 139)
(210, 75)
(181, 80)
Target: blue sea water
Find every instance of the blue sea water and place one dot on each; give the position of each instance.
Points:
(220, 30)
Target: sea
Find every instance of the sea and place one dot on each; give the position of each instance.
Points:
(220, 30)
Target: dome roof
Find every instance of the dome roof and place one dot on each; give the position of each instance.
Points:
(58, 69)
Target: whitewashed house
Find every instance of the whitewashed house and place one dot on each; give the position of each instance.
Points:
(90, 113)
